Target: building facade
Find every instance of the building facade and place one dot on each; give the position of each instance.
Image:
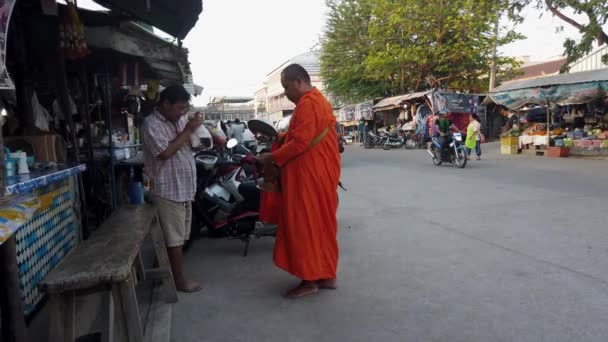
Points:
(592, 61)
(224, 108)
(270, 102)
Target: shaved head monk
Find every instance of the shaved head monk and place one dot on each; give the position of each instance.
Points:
(306, 244)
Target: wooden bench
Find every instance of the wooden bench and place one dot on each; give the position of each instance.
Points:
(109, 263)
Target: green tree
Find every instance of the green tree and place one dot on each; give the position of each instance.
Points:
(592, 29)
(389, 47)
(344, 49)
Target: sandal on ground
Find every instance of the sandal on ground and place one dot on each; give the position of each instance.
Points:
(327, 284)
(306, 288)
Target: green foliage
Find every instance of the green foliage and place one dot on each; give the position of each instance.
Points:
(592, 31)
(388, 47)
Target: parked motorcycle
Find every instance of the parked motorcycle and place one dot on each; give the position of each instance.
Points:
(454, 153)
(412, 141)
(227, 197)
(395, 140)
(372, 140)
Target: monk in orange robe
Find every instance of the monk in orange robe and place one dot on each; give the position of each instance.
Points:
(270, 201)
(306, 243)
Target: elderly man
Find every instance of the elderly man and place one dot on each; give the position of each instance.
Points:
(170, 165)
(306, 244)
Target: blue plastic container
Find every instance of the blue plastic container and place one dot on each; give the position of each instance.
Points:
(136, 193)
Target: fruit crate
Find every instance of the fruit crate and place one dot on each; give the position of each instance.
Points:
(557, 152)
(509, 141)
(506, 149)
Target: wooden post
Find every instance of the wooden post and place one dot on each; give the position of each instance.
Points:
(130, 310)
(108, 96)
(548, 123)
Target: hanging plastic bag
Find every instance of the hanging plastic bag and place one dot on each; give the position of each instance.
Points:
(41, 115)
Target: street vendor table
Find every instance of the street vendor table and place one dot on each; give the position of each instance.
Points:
(536, 140)
(46, 230)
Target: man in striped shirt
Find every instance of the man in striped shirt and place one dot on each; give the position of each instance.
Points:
(170, 166)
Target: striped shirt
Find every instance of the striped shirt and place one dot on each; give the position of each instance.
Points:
(175, 178)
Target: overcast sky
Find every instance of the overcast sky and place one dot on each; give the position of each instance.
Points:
(237, 42)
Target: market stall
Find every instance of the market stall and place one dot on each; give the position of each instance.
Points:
(576, 114)
(69, 109)
(403, 108)
(349, 117)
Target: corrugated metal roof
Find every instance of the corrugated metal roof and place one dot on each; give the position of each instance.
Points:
(577, 77)
(176, 18)
(540, 69)
(396, 101)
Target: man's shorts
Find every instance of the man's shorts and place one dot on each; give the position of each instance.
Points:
(175, 220)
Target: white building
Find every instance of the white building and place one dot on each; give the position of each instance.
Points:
(593, 61)
(270, 102)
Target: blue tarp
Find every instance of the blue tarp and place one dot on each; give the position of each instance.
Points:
(575, 88)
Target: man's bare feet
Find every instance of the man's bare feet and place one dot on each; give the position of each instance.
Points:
(305, 288)
(327, 284)
(188, 286)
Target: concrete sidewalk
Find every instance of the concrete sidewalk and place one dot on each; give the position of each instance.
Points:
(508, 249)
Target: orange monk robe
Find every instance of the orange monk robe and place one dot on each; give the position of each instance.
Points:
(306, 244)
(270, 202)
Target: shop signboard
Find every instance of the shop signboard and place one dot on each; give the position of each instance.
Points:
(347, 113)
(364, 111)
(445, 102)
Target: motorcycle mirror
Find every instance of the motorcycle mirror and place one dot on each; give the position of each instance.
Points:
(232, 143)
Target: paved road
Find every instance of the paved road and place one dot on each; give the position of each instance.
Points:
(508, 249)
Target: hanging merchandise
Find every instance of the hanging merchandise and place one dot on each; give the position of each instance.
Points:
(130, 74)
(6, 9)
(151, 93)
(71, 33)
(41, 115)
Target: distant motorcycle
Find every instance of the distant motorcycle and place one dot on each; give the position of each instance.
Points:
(454, 153)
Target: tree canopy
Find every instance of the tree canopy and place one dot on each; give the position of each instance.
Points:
(386, 47)
(591, 28)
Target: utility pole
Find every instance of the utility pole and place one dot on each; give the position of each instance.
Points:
(494, 51)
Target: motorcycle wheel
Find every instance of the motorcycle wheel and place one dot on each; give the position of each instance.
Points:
(369, 143)
(461, 159)
(386, 147)
(436, 159)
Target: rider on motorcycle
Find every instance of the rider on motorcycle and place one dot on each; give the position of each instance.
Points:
(442, 129)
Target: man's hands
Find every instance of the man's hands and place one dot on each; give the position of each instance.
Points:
(265, 158)
(182, 138)
(194, 122)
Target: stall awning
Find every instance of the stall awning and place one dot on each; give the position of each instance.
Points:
(397, 101)
(176, 18)
(575, 88)
(167, 61)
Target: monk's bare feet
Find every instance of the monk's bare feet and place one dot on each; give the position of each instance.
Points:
(188, 286)
(327, 284)
(306, 288)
